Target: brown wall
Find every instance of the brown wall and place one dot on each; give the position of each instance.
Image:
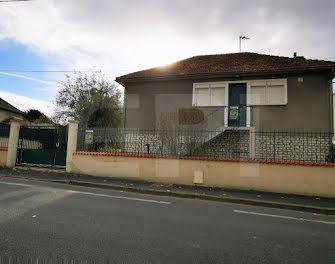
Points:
(308, 105)
(297, 179)
(3, 158)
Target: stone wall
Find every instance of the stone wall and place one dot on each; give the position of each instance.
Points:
(165, 142)
(288, 146)
(229, 144)
(142, 142)
(293, 146)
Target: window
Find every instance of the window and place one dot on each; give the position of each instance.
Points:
(270, 92)
(202, 96)
(260, 92)
(209, 94)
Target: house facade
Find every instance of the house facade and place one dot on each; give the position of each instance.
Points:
(239, 92)
(8, 112)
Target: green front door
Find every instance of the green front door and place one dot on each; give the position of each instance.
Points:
(237, 108)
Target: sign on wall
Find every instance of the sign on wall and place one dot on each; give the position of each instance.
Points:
(89, 137)
(233, 112)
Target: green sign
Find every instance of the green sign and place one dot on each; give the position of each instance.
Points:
(89, 136)
(233, 112)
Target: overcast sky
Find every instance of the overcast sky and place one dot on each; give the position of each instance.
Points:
(129, 35)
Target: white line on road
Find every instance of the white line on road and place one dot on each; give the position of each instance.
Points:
(93, 194)
(17, 184)
(285, 217)
(119, 197)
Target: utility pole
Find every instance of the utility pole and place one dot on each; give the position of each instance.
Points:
(242, 38)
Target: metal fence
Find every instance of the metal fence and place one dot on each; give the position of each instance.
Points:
(43, 137)
(222, 143)
(4, 135)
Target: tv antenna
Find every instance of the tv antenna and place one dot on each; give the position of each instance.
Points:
(242, 38)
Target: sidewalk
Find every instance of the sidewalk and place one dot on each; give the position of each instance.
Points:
(275, 200)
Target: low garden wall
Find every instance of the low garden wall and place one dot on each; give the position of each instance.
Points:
(306, 178)
(3, 156)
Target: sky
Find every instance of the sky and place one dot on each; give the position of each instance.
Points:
(121, 36)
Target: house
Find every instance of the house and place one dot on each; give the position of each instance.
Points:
(8, 112)
(238, 92)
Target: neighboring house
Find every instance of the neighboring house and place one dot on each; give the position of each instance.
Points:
(8, 112)
(238, 91)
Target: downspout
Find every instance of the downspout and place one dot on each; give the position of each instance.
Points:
(124, 118)
(331, 102)
(332, 123)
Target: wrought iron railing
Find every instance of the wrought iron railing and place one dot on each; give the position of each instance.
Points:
(244, 143)
(4, 135)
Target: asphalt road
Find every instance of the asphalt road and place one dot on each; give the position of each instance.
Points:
(43, 221)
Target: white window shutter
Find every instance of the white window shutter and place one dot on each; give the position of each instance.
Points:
(257, 95)
(218, 94)
(201, 97)
(275, 94)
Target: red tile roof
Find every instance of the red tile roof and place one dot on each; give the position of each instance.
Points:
(233, 63)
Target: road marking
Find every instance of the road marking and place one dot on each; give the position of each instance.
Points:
(285, 217)
(93, 194)
(119, 197)
(18, 184)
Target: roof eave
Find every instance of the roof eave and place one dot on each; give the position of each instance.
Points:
(123, 81)
(18, 112)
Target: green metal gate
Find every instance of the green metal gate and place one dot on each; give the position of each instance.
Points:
(42, 146)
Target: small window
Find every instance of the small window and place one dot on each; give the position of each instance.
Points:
(210, 94)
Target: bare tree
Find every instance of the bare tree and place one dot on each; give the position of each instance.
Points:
(93, 100)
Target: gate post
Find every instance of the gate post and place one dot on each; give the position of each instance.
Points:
(13, 143)
(71, 143)
(252, 143)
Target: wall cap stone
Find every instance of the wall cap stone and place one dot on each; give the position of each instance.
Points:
(152, 156)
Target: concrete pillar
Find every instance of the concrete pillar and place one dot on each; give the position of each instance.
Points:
(252, 143)
(71, 143)
(13, 143)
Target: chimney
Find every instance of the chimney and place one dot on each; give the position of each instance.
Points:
(295, 56)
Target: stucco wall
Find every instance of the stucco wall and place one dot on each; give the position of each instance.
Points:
(298, 179)
(308, 105)
(4, 115)
(3, 157)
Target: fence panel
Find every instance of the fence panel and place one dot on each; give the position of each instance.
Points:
(223, 143)
(4, 135)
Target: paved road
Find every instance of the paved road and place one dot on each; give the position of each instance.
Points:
(59, 222)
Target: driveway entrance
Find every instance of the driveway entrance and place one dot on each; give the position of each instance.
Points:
(42, 146)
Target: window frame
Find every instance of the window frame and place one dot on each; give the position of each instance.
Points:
(266, 81)
(248, 82)
(216, 85)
